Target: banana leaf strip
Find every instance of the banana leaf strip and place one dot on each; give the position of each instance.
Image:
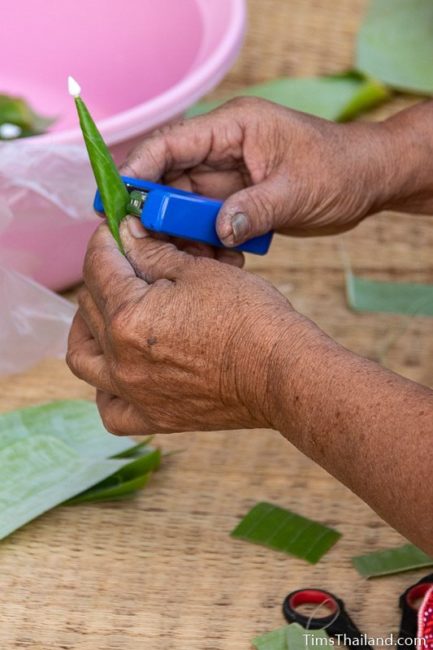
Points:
(291, 637)
(412, 299)
(394, 560)
(38, 473)
(285, 531)
(338, 97)
(75, 422)
(114, 195)
(395, 44)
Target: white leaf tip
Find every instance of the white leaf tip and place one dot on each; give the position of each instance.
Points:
(74, 87)
(9, 131)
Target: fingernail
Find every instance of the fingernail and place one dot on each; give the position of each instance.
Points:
(239, 226)
(135, 228)
(238, 229)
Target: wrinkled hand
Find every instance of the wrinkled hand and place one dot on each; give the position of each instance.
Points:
(277, 169)
(174, 342)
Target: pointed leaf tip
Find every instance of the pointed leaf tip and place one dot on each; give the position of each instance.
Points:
(74, 87)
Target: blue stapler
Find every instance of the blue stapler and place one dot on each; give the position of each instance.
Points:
(182, 214)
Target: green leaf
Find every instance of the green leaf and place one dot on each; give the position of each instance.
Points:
(394, 560)
(15, 110)
(114, 195)
(338, 97)
(133, 451)
(395, 44)
(291, 637)
(113, 492)
(299, 638)
(392, 297)
(148, 461)
(76, 422)
(371, 93)
(130, 478)
(286, 531)
(57, 452)
(41, 472)
(275, 640)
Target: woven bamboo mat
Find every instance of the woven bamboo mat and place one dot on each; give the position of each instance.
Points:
(161, 571)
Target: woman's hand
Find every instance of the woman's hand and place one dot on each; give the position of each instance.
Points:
(277, 169)
(174, 342)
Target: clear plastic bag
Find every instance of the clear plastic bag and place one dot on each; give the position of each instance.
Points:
(34, 322)
(46, 219)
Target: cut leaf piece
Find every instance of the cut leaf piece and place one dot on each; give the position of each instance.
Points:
(392, 297)
(286, 531)
(338, 97)
(291, 637)
(40, 473)
(395, 44)
(76, 422)
(393, 560)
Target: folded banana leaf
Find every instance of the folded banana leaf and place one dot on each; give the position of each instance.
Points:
(60, 452)
(111, 491)
(286, 531)
(76, 422)
(126, 481)
(16, 111)
(136, 450)
(393, 560)
(291, 637)
(38, 473)
(391, 297)
(146, 460)
(337, 97)
(395, 44)
(114, 195)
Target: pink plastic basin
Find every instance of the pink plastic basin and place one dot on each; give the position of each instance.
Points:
(140, 63)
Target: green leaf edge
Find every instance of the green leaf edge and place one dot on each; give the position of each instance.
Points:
(370, 94)
(360, 562)
(120, 491)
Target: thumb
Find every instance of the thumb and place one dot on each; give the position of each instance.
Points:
(254, 211)
(151, 258)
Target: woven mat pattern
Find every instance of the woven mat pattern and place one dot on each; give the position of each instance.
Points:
(161, 571)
